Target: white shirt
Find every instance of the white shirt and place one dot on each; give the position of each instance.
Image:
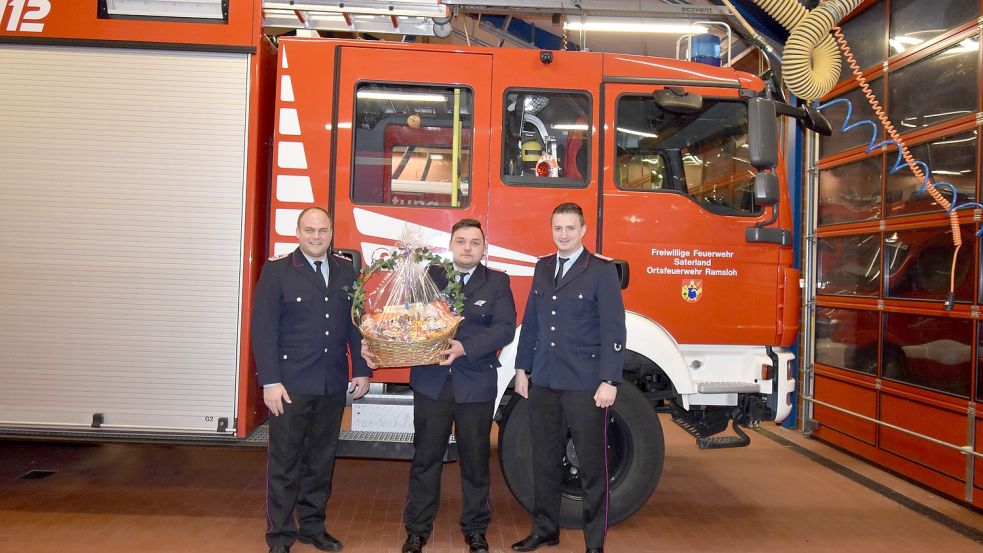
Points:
(466, 274)
(324, 265)
(566, 266)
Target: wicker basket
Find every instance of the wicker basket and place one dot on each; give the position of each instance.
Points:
(404, 352)
(398, 353)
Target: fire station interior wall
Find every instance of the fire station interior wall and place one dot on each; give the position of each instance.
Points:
(121, 221)
(886, 347)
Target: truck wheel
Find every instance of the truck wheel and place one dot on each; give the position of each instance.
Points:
(635, 455)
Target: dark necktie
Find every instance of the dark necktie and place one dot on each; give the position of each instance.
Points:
(560, 261)
(460, 279)
(320, 275)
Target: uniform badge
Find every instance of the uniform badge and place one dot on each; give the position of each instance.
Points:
(479, 303)
(617, 346)
(692, 290)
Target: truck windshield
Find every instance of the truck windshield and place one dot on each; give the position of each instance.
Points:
(702, 154)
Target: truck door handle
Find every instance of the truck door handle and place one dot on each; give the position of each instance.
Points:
(768, 235)
(623, 273)
(354, 255)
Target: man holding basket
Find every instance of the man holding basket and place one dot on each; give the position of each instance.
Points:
(461, 391)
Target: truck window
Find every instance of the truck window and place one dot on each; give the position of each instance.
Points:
(546, 138)
(405, 152)
(701, 154)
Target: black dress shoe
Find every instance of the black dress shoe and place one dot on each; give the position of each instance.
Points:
(595, 550)
(476, 542)
(414, 543)
(534, 542)
(280, 549)
(324, 541)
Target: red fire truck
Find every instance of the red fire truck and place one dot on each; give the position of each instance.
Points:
(147, 144)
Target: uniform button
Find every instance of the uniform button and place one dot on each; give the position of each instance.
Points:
(325, 298)
(326, 315)
(552, 344)
(298, 299)
(580, 296)
(325, 350)
(284, 356)
(326, 332)
(554, 297)
(553, 328)
(552, 312)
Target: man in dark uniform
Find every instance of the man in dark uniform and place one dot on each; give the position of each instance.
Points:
(302, 336)
(572, 341)
(460, 390)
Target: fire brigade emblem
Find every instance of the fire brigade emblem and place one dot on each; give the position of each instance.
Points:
(692, 290)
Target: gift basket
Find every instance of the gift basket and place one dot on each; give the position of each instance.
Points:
(405, 319)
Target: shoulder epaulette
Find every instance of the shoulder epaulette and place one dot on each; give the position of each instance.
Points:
(339, 256)
(281, 256)
(603, 257)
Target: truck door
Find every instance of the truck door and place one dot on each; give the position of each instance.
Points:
(546, 121)
(677, 199)
(412, 137)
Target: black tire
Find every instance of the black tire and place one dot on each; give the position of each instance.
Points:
(635, 447)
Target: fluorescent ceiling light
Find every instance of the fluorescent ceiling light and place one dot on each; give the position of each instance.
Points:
(967, 45)
(436, 156)
(904, 39)
(627, 25)
(899, 42)
(956, 141)
(570, 127)
(191, 9)
(947, 113)
(402, 96)
(637, 133)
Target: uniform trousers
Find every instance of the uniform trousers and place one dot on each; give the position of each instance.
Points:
(300, 463)
(551, 412)
(432, 419)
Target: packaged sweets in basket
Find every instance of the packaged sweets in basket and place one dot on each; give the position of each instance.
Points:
(405, 319)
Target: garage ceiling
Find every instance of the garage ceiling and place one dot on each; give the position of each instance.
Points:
(506, 23)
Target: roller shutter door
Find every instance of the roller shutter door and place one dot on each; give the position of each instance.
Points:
(122, 176)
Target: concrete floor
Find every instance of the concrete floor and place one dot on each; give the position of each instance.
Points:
(767, 497)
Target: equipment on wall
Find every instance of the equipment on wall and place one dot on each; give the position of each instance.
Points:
(811, 67)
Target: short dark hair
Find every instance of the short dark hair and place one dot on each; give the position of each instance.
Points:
(321, 209)
(467, 223)
(570, 207)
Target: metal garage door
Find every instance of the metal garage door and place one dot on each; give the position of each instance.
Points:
(121, 216)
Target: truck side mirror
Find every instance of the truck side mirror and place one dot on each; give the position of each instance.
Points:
(677, 100)
(765, 189)
(762, 133)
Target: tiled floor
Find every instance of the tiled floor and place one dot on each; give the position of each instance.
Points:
(134, 498)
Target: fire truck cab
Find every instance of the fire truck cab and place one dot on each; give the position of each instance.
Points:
(673, 163)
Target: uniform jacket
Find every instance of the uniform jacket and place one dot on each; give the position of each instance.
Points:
(488, 326)
(573, 335)
(302, 333)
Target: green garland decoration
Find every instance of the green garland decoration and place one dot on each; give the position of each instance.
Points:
(453, 289)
